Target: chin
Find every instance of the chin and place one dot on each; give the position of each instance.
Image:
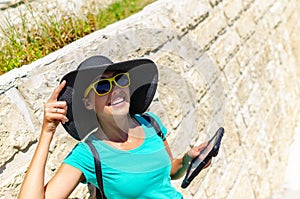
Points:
(120, 111)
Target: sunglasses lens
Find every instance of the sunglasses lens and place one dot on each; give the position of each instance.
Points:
(122, 80)
(102, 87)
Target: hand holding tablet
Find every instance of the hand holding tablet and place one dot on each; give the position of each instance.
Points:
(198, 163)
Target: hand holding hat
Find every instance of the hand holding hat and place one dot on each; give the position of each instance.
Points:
(54, 111)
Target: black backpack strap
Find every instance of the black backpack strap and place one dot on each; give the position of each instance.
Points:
(154, 123)
(99, 192)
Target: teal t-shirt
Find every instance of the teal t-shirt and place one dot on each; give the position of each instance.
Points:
(143, 172)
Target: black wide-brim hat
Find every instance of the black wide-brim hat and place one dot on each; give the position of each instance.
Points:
(143, 83)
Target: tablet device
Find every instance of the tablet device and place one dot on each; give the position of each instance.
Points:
(199, 162)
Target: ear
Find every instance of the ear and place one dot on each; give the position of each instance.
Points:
(87, 103)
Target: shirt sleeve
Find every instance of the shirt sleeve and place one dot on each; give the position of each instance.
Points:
(81, 158)
(163, 129)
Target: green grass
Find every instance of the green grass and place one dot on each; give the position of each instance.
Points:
(24, 44)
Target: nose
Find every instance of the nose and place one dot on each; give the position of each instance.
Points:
(114, 89)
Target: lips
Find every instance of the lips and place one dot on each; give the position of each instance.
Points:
(117, 99)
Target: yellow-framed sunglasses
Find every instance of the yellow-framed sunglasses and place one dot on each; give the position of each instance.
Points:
(104, 86)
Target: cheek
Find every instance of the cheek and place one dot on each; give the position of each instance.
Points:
(127, 91)
(100, 103)
(95, 102)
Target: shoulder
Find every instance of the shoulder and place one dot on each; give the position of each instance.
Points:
(80, 154)
(153, 115)
(82, 159)
(81, 147)
(155, 119)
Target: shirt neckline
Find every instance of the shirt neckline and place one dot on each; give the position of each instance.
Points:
(141, 121)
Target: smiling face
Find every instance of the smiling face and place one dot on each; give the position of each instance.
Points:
(115, 103)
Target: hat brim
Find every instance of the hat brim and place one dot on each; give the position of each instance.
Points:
(144, 78)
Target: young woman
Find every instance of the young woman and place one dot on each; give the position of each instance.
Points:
(101, 102)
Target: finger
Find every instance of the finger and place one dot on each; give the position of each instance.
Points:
(55, 106)
(59, 111)
(208, 164)
(52, 110)
(53, 116)
(60, 104)
(202, 146)
(56, 92)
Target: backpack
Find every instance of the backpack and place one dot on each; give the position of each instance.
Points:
(99, 192)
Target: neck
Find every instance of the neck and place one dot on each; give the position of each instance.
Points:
(115, 129)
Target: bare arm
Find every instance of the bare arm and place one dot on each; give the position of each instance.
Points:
(54, 112)
(63, 182)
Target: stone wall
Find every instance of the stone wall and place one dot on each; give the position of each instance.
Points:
(222, 63)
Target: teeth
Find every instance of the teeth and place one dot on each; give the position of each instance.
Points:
(118, 100)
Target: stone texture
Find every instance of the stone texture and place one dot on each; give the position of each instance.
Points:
(227, 63)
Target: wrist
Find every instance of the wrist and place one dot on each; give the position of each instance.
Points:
(186, 159)
(183, 164)
(46, 136)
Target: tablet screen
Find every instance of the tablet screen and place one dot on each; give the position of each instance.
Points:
(195, 163)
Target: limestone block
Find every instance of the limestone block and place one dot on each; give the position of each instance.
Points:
(218, 100)
(200, 194)
(232, 10)
(158, 108)
(181, 17)
(259, 9)
(244, 55)
(14, 171)
(128, 42)
(197, 84)
(245, 25)
(260, 185)
(172, 106)
(226, 47)
(205, 109)
(277, 9)
(208, 68)
(172, 81)
(214, 2)
(204, 180)
(242, 187)
(246, 4)
(10, 188)
(37, 100)
(232, 71)
(17, 125)
(204, 34)
(262, 35)
(188, 133)
(231, 144)
(244, 86)
(231, 170)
